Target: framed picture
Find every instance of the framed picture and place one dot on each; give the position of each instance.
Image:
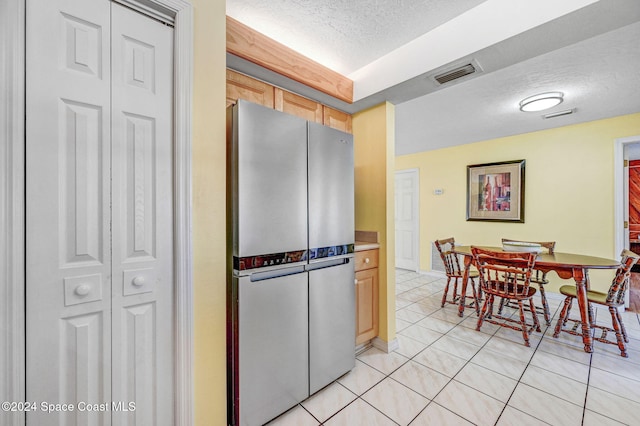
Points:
(495, 191)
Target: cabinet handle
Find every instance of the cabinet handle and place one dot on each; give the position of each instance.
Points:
(366, 260)
(138, 281)
(355, 281)
(82, 290)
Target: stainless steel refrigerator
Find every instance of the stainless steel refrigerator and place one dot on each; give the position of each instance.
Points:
(291, 304)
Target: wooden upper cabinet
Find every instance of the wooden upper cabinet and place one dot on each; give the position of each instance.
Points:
(240, 86)
(297, 105)
(337, 119)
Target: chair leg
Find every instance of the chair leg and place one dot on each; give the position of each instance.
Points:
(525, 334)
(446, 290)
(622, 328)
(490, 314)
(616, 327)
(455, 290)
(563, 316)
(501, 305)
(566, 317)
(475, 296)
(483, 312)
(534, 314)
(545, 305)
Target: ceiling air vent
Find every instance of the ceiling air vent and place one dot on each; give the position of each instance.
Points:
(455, 74)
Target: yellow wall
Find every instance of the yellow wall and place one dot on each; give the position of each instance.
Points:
(373, 132)
(569, 196)
(209, 239)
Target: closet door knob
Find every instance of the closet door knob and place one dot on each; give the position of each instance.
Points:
(138, 281)
(82, 290)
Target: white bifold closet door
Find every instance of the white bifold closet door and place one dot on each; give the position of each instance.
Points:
(99, 182)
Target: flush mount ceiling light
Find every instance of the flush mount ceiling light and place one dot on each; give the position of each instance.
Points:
(541, 101)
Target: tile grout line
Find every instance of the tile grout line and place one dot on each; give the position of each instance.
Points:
(466, 363)
(506, 404)
(452, 378)
(493, 335)
(637, 318)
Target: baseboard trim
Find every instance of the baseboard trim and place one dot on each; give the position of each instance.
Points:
(385, 346)
(363, 347)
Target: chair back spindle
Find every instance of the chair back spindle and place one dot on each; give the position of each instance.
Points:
(537, 277)
(506, 275)
(620, 282)
(449, 258)
(613, 299)
(454, 272)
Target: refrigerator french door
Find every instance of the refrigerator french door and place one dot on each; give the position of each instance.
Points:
(268, 345)
(331, 266)
(291, 297)
(274, 356)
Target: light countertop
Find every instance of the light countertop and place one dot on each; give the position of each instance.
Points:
(365, 245)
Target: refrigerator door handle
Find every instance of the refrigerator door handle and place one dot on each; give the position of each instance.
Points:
(328, 263)
(267, 275)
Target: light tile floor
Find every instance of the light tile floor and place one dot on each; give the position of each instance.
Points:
(447, 373)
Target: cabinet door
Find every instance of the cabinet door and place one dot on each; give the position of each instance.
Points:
(366, 305)
(240, 86)
(337, 119)
(297, 105)
(366, 259)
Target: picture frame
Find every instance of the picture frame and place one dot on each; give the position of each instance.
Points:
(495, 191)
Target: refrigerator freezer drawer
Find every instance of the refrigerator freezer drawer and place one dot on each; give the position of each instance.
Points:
(331, 324)
(272, 346)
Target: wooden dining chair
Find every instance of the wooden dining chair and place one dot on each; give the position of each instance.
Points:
(454, 273)
(506, 275)
(613, 299)
(538, 277)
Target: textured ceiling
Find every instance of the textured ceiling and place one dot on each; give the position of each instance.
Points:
(326, 29)
(600, 78)
(590, 51)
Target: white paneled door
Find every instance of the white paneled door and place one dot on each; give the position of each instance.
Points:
(406, 217)
(100, 279)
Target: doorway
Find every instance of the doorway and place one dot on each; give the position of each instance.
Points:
(177, 13)
(632, 155)
(407, 193)
(99, 213)
(627, 209)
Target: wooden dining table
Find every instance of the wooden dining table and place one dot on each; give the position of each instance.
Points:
(567, 266)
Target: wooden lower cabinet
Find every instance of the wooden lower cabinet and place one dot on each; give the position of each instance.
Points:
(366, 295)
